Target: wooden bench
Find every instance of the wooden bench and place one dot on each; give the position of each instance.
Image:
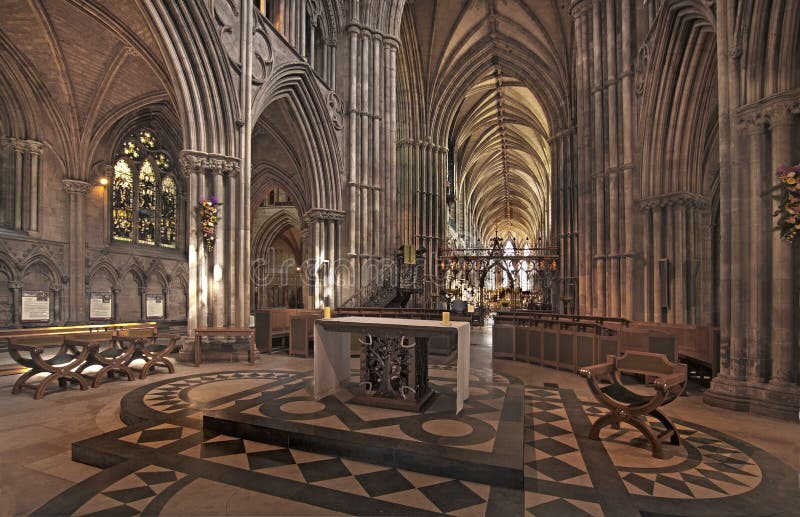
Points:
(108, 353)
(60, 366)
(151, 347)
(625, 405)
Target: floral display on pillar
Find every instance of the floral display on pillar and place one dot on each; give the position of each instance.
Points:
(788, 198)
(209, 218)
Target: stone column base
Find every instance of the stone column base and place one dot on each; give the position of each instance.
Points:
(781, 401)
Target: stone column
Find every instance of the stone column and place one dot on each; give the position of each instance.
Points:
(658, 253)
(218, 297)
(783, 311)
(203, 172)
(142, 303)
(32, 190)
(16, 302)
(758, 217)
(580, 10)
(76, 214)
(627, 23)
(19, 155)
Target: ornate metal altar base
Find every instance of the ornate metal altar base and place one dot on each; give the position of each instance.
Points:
(394, 373)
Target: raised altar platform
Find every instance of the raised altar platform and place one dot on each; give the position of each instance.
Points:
(481, 444)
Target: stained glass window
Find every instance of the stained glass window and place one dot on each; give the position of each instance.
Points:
(144, 196)
(147, 203)
(169, 195)
(122, 201)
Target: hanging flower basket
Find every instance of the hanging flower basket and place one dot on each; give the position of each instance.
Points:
(787, 194)
(209, 218)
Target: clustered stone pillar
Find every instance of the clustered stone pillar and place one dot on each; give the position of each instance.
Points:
(322, 242)
(674, 223)
(26, 185)
(211, 175)
(76, 222)
(372, 176)
(564, 218)
(605, 180)
(759, 355)
(423, 196)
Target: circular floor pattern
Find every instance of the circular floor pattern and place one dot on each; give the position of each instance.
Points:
(448, 428)
(709, 474)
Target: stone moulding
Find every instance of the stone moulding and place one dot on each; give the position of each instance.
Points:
(323, 214)
(197, 162)
(76, 186)
(675, 199)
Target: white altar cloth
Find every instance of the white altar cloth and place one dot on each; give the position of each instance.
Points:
(332, 348)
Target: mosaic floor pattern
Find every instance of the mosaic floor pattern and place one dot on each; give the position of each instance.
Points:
(164, 462)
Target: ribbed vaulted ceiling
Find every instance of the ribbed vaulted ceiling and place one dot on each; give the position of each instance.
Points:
(501, 70)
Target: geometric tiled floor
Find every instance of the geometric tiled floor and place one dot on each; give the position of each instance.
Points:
(163, 462)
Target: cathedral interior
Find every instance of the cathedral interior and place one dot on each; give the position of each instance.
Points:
(556, 216)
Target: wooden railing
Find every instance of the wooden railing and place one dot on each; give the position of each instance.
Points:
(574, 342)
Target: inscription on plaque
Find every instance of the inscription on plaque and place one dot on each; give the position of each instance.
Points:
(154, 306)
(35, 306)
(100, 306)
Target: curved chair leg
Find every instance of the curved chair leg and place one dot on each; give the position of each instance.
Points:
(108, 370)
(22, 380)
(603, 421)
(150, 365)
(43, 385)
(668, 425)
(658, 450)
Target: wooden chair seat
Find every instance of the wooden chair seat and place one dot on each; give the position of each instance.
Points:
(668, 382)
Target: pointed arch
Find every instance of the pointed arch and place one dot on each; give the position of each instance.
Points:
(321, 158)
(103, 266)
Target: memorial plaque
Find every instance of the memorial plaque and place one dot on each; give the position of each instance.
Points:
(154, 306)
(35, 306)
(101, 306)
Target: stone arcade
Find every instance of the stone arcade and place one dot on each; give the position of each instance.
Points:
(198, 163)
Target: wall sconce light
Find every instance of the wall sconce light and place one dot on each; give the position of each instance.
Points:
(103, 181)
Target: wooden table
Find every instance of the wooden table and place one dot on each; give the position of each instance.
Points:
(223, 332)
(332, 348)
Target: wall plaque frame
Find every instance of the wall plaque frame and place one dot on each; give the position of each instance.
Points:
(35, 307)
(154, 306)
(101, 306)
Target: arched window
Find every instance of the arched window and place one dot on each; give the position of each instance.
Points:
(144, 194)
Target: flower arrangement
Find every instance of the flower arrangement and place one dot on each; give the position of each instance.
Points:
(209, 217)
(788, 198)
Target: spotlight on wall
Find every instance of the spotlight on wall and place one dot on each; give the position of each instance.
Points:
(103, 181)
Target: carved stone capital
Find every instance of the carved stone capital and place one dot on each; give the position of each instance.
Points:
(76, 186)
(688, 199)
(754, 123)
(336, 110)
(197, 162)
(35, 147)
(322, 214)
(26, 146)
(15, 285)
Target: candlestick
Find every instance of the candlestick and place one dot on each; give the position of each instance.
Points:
(445, 318)
(326, 313)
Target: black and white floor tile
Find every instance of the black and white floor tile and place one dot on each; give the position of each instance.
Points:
(164, 462)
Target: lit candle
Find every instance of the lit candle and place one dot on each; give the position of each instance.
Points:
(326, 313)
(445, 318)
